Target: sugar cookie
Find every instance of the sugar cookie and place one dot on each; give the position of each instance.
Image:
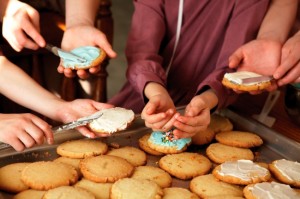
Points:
(178, 193)
(30, 194)
(133, 155)
(143, 144)
(100, 190)
(239, 139)
(219, 123)
(67, 192)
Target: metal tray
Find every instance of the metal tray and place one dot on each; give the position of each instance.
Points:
(275, 145)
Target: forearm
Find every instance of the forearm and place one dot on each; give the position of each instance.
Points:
(279, 20)
(22, 89)
(81, 12)
(152, 89)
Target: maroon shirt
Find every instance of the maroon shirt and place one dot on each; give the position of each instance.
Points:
(211, 31)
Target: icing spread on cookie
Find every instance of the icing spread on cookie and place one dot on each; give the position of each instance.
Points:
(112, 120)
(237, 77)
(273, 190)
(289, 169)
(243, 169)
(157, 137)
(89, 53)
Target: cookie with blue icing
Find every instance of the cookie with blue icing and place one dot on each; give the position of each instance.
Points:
(164, 143)
(93, 56)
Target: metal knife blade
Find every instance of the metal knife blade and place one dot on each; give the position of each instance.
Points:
(258, 79)
(63, 54)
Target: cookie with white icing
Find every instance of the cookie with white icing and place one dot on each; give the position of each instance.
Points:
(93, 56)
(286, 171)
(234, 81)
(241, 172)
(112, 120)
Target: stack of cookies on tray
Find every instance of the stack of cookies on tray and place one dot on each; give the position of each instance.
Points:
(216, 163)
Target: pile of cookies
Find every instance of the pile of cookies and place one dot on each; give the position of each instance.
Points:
(224, 168)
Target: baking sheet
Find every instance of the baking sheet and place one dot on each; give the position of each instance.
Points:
(275, 145)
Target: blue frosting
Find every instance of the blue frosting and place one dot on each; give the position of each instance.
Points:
(157, 137)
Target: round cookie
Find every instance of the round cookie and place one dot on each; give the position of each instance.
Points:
(158, 142)
(219, 123)
(220, 153)
(133, 155)
(93, 56)
(37, 175)
(155, 174)
(241, 172)
(143, 144)
(185, 165)
(10, 177)
(67, 192)
(203, 137)
(105, 168)
(113, 120)
(207, 186)
(70, 161)
(82, 148)
(30, 193)
(225, 197)
(100, 190)
(178, 193)
(135, 189)
(234, 81)
(240, 139)
(270, 189)
(286, 171)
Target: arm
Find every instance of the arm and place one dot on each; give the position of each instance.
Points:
(80, 31)
(21, 25)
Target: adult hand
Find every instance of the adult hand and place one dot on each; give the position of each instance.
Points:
(259, 56)
(84, 35)
(195, 119)
(71, 111)
(24, 130)
(21, 26)
(289, 69)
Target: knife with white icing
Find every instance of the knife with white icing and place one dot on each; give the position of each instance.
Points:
(257, 79)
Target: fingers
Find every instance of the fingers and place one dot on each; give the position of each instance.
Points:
(86, 132)
(102, 41)
(235, 59)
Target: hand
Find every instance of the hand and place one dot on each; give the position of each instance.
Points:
(71, 111)
(21, 27)
(159, 113)
(24, 130)
(259, 56)
(195, 119)
(84, 35)
(289, 69)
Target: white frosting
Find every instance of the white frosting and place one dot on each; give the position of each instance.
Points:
(273, 190)
(112, 120)
(289, 169)
(237, 77)
(243, 169)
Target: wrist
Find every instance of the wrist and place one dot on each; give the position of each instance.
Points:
(210, 98)
(153, 89)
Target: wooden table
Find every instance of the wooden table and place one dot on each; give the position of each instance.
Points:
(247, 105)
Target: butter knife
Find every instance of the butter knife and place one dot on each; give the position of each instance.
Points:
(258, 79)
(64, 54)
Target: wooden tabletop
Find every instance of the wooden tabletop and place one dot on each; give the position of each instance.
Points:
(247, 105)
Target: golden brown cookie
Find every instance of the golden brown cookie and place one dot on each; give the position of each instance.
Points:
(30, 194)
(133, 155)
(67, 192)
(203, 137)
(45, 175)
(220, 153)
(178, 193)
(10, 177)
(135, 189)
(241, 172)
(143, 144)
(270, 189)
(100, 190)
(240, 139)
(185, 165)
(92, 56)
(82, 148)
(219, 123)
(286, 171)
(155, 174)
(207, 186)
(70, 161)
(234, 81)
(105, 168)
(113, 120)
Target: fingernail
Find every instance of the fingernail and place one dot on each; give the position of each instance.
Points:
(50, 141)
